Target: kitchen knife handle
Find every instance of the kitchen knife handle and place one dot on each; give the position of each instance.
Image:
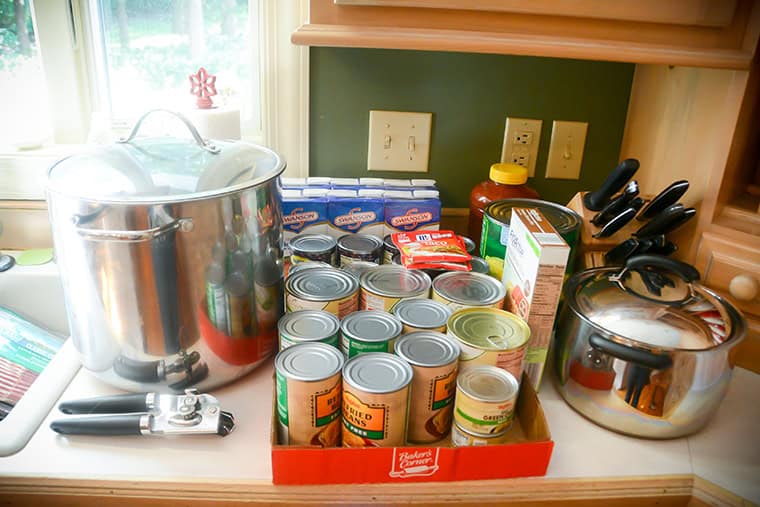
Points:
(686, 272)
(109, 425)
(119, 404)
(664, 199)
(595, 201)
(616, 223)
(632, 355)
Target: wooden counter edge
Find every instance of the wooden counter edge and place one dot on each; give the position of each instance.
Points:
(675, 490)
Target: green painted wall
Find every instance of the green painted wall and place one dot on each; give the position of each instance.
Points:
(470, 95)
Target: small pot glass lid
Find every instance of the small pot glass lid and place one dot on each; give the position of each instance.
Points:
(163, 169)
(675, 319)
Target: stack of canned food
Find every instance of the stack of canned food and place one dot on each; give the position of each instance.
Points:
(357, 252)
(364, 360)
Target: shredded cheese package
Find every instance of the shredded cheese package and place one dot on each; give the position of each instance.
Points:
(430, 247)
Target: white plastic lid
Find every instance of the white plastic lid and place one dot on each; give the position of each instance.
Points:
(427, 194)
(371, 192)
(390, 182)
(317, 180)
(291, 193)
(344, 181)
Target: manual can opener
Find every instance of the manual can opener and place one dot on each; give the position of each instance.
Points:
(146, 414)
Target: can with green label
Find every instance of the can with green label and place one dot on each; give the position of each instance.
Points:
(495, 232)
(368, 331)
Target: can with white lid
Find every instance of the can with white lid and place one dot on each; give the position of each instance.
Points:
(308, 326)
(466, 289)
(376, 389)
(328, 289)
(485, 400)
(434, 359)
(309, 392)
(384, 287)
(490, 337)
(368, 331)
(422, 315)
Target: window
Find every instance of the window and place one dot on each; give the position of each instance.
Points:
(26, 121)
(94, 64)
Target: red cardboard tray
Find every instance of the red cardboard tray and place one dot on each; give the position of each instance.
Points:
(526, 453)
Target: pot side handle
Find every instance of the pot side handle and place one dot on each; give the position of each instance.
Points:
(630, 354)
(183, 224)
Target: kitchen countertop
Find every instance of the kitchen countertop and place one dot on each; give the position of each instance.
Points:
(726, 454)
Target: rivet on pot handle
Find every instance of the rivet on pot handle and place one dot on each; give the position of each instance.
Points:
(630, 354)
(183, 224)
(198, 139)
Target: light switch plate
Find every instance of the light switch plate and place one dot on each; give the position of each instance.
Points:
(521, 139)
(566, 150)
(399, 141)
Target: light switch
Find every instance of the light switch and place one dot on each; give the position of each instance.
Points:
(399, 141)
(566, 150)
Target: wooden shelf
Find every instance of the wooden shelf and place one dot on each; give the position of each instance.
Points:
(420, 26)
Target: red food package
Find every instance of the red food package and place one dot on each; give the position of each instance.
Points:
(426, 247)
(448, 266)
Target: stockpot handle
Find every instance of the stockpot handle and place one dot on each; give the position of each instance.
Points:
(630, 354)
(211, 148)
(686, 272)
(183, 224)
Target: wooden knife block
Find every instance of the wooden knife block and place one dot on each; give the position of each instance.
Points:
(591, 250)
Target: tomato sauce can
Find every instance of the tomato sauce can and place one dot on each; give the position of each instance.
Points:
(485, 400)
(309, 394)
(376, 389)
(422, 315)
(329, 289)
(384, 287)
(308, 326)
(359, 247)
(368, 331)
(468, 290)
(313, 247)
(490, 337)
(434, 358)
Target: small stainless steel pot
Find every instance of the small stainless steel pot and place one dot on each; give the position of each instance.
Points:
(642, 352)
(171, 260)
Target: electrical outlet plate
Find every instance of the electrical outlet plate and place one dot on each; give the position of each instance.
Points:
(566, 150)
(399, 141)
(521, 139)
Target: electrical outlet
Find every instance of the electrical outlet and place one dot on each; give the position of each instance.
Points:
(399, 141)
(521, 139)
(566, 150)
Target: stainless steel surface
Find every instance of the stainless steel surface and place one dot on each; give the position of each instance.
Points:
(641, 364)
(133, 265)
(427, 349)
(309, 362)
(377, 372)
(206, 145)
(396, 282)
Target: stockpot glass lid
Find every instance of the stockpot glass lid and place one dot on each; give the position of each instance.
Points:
(677, 315)
(163, 169)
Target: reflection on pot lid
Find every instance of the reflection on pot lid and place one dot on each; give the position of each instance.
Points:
(163, 169)
(676, 319)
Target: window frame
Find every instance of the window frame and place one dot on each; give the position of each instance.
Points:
(62, 30)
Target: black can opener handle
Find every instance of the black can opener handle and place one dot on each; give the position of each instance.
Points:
(595, 201)
(107, 425)
(118, 404)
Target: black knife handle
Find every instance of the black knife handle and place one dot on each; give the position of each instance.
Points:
(664, 199)
(109, 425)
(595, 201)
(119, 404)
(616, 223)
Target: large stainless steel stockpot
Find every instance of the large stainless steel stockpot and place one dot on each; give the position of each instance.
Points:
(170, 254)
(643, 352)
